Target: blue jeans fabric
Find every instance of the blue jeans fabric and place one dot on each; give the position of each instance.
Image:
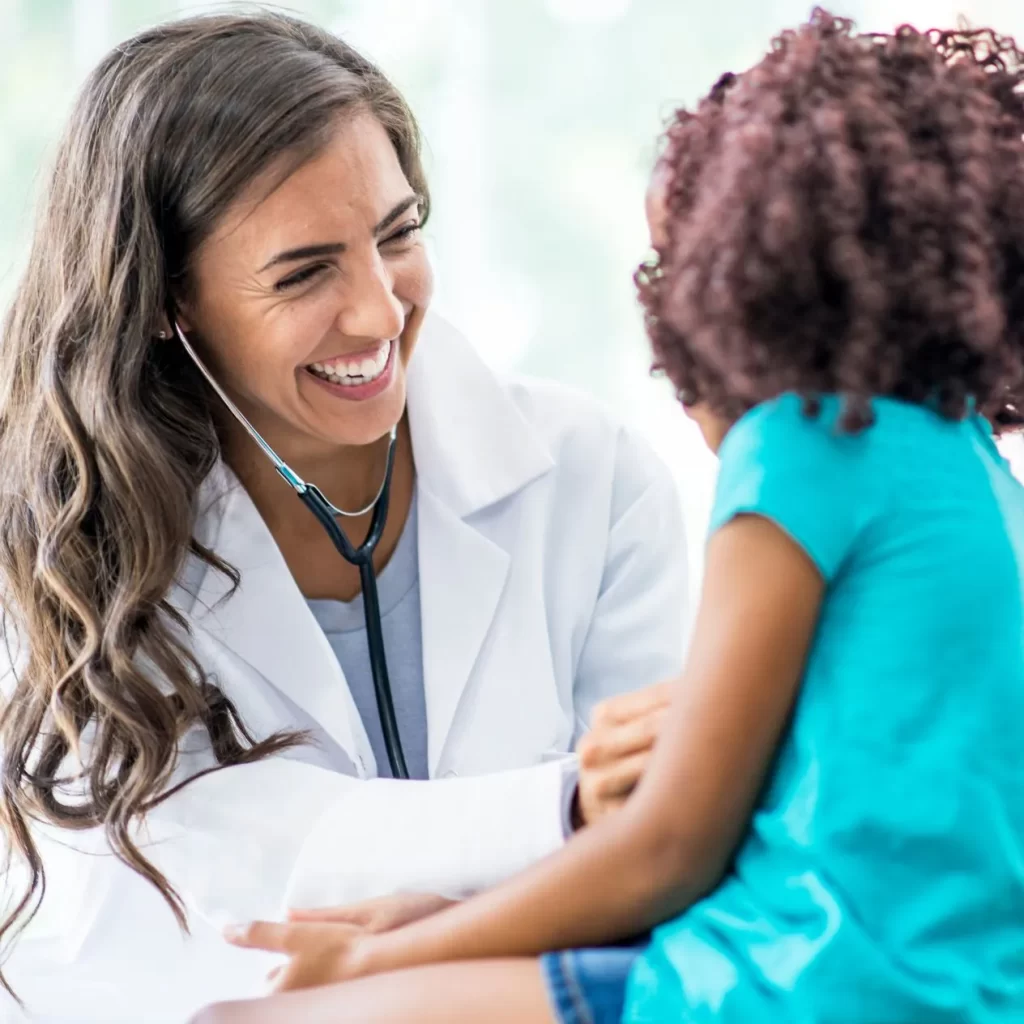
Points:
(588, 986)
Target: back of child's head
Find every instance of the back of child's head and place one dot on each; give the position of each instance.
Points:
(848, 217)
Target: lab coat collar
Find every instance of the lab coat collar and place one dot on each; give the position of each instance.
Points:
(472, 444)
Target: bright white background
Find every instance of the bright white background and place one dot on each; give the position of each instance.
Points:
(540, 118)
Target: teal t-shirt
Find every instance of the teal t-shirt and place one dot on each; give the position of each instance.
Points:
(882, 877)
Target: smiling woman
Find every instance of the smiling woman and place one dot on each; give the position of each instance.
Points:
(189, 727)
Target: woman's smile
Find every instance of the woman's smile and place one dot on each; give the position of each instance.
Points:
(358, 376)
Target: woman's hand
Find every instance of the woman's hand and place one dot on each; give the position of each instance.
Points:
(614, 753)
(377, 915)
(319, 952)
(330, 944)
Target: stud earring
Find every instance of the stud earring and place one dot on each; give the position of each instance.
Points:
(164, 335)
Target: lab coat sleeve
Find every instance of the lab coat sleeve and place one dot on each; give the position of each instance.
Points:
(253, 840)
(250, 841)
(468, 834)
(638, 629)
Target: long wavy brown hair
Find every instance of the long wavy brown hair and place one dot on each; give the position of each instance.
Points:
(106, 433)
(848, 216)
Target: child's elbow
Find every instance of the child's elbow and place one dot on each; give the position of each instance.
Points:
(680, 860)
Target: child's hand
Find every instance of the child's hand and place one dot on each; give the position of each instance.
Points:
(319, 953)
(614, 754)
(380, 914)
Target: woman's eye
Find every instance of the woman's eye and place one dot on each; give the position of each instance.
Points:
(403, 234)
(299, 277)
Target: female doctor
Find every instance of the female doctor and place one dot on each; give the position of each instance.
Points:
(191, 731)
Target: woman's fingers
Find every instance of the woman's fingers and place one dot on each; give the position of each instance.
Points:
(358, 914)
(620, 780)
(604, 790)
(318, 952)
(288, 937)
(379, 914)
(268, 935)
(627, 706)
(290, 976)
(319, 962)
(607, 744)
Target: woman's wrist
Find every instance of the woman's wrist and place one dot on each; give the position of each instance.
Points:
(430, 940)
(379, 952)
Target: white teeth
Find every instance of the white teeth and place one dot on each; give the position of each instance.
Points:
(344, 372)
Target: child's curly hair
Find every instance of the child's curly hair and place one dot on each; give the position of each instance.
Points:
(848, 217)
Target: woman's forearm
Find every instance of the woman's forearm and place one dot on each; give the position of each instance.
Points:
(614, 880)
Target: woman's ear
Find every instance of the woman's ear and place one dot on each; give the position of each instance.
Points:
(182, 319)
(165, 326)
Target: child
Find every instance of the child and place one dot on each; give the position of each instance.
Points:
(831, 828)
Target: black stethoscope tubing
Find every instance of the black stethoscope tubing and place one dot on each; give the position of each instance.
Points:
(361, 557)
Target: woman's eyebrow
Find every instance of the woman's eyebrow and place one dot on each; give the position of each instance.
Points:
(397, 212)
(306, 252)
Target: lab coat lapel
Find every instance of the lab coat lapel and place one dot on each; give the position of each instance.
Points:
(473, 448)
(266, 621)
(462, 576)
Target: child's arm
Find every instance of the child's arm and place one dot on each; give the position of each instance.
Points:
(675, 837)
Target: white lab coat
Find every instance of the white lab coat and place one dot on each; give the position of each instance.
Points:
(552, 574)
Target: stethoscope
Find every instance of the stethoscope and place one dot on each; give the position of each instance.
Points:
(361, 557)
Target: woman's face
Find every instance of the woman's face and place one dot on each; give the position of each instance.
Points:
(307, 302)
(713, 427)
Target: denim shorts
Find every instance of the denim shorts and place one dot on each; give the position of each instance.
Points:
(588, 986)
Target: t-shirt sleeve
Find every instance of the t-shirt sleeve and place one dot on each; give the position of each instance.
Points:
(801, 473)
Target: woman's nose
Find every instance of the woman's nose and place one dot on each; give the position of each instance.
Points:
(371, 309)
